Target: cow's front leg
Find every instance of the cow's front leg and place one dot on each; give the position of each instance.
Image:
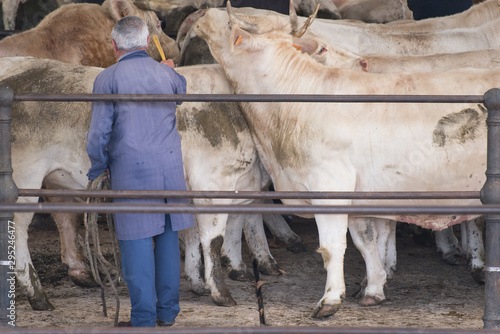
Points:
(27, 277)
(364, 234)
(332, 231)
(212, 230)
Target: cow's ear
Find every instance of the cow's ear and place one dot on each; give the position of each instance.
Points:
(242, 39)
(305, 45)
(121, 8)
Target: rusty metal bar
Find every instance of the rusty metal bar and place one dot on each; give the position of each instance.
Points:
(249, 194)
(252, 98)
(8, 195)
(378, 210)
(490, 195)
(252, 330)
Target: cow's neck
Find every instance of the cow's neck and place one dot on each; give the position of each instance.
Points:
(265, 119)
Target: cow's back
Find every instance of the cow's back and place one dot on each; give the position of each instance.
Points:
(81, 36)
(38, 126)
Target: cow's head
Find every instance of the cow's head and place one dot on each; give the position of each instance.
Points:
(246, 33)
(229, 34)
(118, 9)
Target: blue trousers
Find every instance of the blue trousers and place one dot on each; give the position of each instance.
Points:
(151, 269)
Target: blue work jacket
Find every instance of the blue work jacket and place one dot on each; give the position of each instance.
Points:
(138, 141)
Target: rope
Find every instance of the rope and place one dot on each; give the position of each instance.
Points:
(105, 273)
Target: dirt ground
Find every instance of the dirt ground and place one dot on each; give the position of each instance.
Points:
(425, 292)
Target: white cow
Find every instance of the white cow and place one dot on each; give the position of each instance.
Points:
(192, 50)
(192, 54)
(323, 51)
(446, 241)
(345, 147)
(218, 153)
(472, 17)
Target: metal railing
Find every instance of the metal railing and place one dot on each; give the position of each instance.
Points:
(489, 195)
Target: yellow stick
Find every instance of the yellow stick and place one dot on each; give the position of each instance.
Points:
(158, 46)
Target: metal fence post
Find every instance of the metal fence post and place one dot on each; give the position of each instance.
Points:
(490, 194)
(8, 194)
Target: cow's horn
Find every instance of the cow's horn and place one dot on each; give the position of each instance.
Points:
(302, 30)
(294, 22)
(240, 22)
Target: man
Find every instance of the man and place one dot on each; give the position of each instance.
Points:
(138, 142)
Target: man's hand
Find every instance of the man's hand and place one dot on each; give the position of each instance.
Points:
(168, 62)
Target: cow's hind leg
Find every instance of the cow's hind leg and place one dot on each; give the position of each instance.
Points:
(364, 234)
(448, 245)
(231, 249)
(472, 232)
(282, 233)
(212, 230)
(256, 240)
(386, 230)
(193, 263)
(68, 224)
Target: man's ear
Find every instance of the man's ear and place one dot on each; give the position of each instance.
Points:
(241, 38)
(115, 48)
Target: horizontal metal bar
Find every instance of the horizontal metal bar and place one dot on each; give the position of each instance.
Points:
(252, 330)
(9, 32)
(391, 210)
(249, 194)
(252, 98)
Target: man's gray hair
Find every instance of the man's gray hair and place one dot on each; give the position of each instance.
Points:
(130, 33)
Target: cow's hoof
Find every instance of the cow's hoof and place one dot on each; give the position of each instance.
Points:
(224, 301)
(371, 301)
(326, 310)
(296, 247)
(83, 279)
(478, 275)
(41, 303)
(240, 275)
(455, 260)
(358, 293)
(200, 290)
(270, 269)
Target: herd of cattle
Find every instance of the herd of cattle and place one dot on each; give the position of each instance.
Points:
(246, 146)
